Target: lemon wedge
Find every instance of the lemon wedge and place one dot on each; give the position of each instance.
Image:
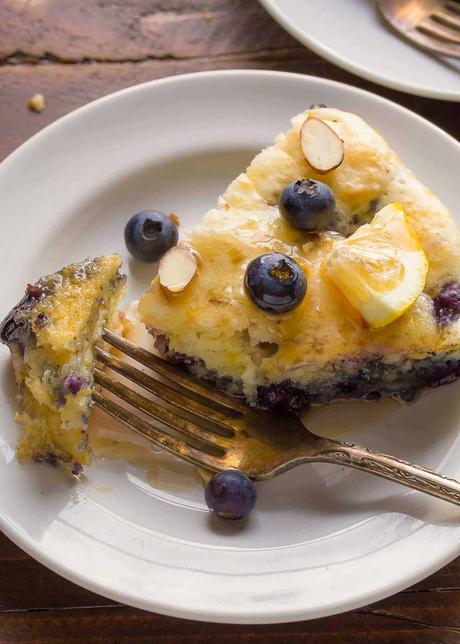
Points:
(381, 268)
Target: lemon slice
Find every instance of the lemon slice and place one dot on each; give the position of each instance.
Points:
(381, 268)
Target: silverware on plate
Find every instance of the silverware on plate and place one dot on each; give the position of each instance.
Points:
(433, 25)
(216, 431)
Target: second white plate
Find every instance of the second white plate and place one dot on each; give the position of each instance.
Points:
(352, 35)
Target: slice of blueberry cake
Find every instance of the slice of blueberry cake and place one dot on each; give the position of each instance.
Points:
(327, 271)
(51, 334)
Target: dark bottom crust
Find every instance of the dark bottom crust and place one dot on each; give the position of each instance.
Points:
(358, 378)
(292, 397)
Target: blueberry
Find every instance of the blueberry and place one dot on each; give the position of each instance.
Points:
(41, 321)
(70, 385)
(35, 291)
(149, 234)
(308, 205)
(275, 283)
(447, 303)
(17, 326)
(230, 494)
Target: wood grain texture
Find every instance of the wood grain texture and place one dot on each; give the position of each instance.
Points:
(73, 52)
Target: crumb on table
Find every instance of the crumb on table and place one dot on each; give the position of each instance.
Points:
(36, 103)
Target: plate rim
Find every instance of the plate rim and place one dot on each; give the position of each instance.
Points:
(69, 572)
(273, 8)
(219, 616)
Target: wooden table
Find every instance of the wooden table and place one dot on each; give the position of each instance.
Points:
(73, 51)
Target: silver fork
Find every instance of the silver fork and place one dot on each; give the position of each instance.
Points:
(431, 24)
(216, 431)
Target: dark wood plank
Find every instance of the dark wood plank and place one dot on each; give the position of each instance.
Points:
(134, 31)
(121, 624)
(74, 52)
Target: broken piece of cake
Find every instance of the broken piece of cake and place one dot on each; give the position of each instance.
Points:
(294, 291)
(51, 334)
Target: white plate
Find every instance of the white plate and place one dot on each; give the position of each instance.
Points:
(352, 35)
(322, 539)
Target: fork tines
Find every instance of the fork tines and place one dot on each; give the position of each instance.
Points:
(433, 25)
(443, 24)
(178, 380)
(156, 434)
(186, 418)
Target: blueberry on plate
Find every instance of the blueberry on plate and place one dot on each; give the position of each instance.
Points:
(149, 234)
(230, 494)
(275, 283)
(309, 205)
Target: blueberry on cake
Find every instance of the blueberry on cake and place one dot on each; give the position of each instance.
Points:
(326, 271)
(51, 334)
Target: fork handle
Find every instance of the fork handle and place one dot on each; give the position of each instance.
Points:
(391, 468)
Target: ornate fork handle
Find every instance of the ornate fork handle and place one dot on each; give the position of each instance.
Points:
(391, 468)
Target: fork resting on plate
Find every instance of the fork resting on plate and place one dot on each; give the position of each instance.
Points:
(433, 25)
(216, 431)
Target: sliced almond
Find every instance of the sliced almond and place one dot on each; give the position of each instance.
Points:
(177, 269)
(321, 146)
(192, 251)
